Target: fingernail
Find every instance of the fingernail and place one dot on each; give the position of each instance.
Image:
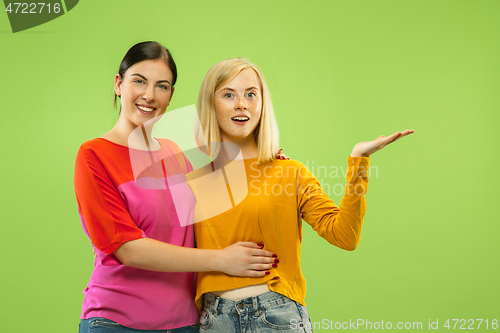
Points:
(276, 260)
(275, 256)
(274, 265)
(267, 273)
(261, 245)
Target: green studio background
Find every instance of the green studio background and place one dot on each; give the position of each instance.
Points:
(340, 72)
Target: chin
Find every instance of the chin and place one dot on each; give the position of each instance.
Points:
(240, 136)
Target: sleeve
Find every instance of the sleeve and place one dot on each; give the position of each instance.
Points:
(189, 166)
(103, 212)
(339, 226)
(175, 160)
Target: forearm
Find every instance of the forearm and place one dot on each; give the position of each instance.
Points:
(350, 222)
(341, 226)
(353, 204)
(153, 255)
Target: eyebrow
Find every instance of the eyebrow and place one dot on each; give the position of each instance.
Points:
(231, 89)
(144, 78)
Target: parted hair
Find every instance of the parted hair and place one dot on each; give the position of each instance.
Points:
(148, 50)
(266, 133)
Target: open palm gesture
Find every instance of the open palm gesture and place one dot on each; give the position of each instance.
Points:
(369, 147)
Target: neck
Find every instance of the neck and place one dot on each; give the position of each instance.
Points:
(247, 146)
(131, 135)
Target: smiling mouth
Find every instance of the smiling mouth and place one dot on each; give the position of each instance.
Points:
(145, 108)
(240, 119)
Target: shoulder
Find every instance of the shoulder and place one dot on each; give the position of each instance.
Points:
(275, 164)
(100, 149)
(291, 169)
(173, 151)
(169, 144)
(88, 148)
(291, 162)
(297, 165)
(299, 170)
(96, 144)
(106, 159)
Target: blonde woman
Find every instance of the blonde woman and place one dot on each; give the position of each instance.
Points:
(235, 109)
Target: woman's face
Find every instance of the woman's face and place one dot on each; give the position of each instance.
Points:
(238, 104)
(145, 90)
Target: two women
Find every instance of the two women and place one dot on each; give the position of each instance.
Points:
(144, 269)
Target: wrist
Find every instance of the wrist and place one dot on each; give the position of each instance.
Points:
(215, 260)
(358, 154)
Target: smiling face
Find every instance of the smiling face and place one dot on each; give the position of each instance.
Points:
(145, 91)
(238, 105)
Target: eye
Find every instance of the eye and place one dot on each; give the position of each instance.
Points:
(162, 86)
(228, 95)
(251, 94)
(140, 81)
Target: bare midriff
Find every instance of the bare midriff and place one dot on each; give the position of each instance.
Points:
(244, 292)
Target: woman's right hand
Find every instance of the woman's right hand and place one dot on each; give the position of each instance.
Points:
(246, 259)
(365, 149)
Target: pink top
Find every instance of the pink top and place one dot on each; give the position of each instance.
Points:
(117, 206)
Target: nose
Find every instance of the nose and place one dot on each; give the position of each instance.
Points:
(149, 93)
(241, 104)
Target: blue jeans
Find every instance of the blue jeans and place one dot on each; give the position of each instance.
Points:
(103, 325)
(269, 312)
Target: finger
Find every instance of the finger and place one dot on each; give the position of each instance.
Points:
(407, 132)
(395, 135)
(263, 253)
(403, 134)
(392, 138)
(264, 260)
(262, 267)
(252, 273)
(251, 245)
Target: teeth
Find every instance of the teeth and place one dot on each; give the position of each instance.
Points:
(240, 118)
(143, 108)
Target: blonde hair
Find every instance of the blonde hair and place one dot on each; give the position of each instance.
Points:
(266, 133)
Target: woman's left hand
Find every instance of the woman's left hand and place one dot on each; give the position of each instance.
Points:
(281, 155)
(364, 149)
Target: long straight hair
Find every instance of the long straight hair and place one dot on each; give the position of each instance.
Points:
(266, 133)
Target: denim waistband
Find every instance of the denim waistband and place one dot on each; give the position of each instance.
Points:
(217, 305)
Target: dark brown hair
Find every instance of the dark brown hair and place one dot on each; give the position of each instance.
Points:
(147, 51)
